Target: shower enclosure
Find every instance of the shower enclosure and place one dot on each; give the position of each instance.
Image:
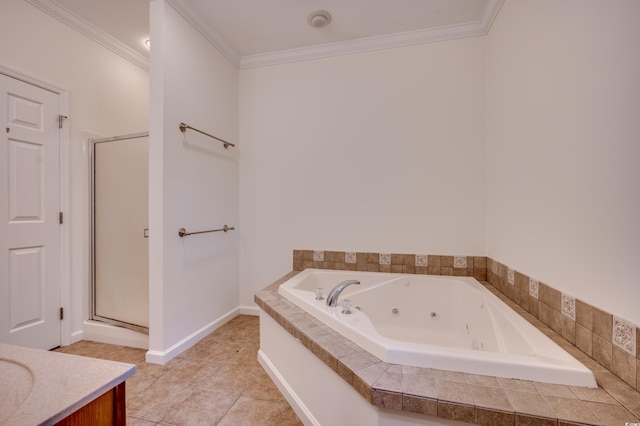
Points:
(119, 235)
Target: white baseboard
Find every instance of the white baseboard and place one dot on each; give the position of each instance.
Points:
(249, 310)
(106, 333)
(76, 336)
(162, 357)
(287, 391)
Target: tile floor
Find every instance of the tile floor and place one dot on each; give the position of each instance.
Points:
(216, 382)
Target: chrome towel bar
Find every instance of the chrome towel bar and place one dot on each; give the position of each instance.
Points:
(184, 127)
(183, 232)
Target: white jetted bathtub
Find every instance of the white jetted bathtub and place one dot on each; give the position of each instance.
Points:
(448, 323)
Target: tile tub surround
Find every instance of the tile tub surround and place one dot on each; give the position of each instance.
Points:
(611, 341)
(458, 396)
(464, 266)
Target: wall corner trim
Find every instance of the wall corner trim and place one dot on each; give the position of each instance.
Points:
(163, 356)
(79, 24)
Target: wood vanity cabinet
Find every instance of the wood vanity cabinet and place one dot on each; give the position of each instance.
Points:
(107, 410)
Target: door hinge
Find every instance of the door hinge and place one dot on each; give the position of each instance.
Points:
(61, 218)
(60, 118)
(61, 313)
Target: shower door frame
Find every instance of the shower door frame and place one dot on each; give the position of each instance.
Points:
(92, 232)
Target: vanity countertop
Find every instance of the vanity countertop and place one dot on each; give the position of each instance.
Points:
(43, 387)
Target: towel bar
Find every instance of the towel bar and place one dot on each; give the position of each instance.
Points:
(183, 232)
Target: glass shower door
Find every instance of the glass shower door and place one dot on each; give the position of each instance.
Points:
(120, 210)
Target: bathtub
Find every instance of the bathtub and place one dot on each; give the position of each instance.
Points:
(446, 323)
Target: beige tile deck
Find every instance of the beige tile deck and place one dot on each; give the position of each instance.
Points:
(459, 396)
(218, 381)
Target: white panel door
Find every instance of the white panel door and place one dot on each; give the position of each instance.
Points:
(30, 287)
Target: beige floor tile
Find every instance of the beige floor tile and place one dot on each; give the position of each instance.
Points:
(188, 371)
(154, 371)
(87, 348)
(106, 351)
(231, 378)
(134, 421)
(218, 378)
(219, 351)
(261, 387)
(235, 334)
(254, 412)
(248, 354)
(135, 385)
(193, 350)
(235, 331)
(200, 408)
(289, 418)
(155, 402)
(129, 355)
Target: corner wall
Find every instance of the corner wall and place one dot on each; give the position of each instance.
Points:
(193, 183)
(379, 151)
(562, 147)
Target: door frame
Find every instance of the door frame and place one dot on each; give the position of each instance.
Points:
(65, 205)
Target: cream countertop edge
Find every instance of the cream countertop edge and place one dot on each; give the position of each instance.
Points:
(62, 383)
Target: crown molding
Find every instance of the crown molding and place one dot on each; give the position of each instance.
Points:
(74, 21)
(214, 37)
(407, 38)
(489, 14)
(470, 29)
(362, 45)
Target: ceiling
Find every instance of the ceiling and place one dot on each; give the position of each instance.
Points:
(258, 32)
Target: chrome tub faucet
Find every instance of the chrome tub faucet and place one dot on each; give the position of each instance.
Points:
(332, 298)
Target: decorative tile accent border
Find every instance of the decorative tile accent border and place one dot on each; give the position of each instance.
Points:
(318, 256)
(421, 260)
(569, 306)
(460, 262)
(476, 266)
(611, 341)
(624, 335)
(350, 257)
(533, 288)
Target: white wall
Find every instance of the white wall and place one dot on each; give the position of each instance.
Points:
(562, 147)
(193, 183)
(107, 95)
(380, 151)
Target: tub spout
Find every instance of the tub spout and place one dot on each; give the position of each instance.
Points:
(332, 298)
